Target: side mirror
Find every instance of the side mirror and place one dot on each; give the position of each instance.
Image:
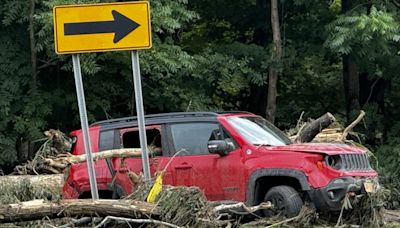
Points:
(220, 147)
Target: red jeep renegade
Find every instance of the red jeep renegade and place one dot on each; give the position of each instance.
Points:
(231, 156)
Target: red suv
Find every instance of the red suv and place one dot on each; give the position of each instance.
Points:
(231, 156)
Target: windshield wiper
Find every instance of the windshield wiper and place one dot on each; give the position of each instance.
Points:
(261, 144)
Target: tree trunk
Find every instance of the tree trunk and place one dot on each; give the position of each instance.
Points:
(37, 209)
(256, 102)
(312, 129)
(351, 82)
(32, 46)
(273, 71)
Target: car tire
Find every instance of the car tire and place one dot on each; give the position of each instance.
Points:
(286, 201)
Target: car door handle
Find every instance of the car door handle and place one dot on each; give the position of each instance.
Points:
(183, 166)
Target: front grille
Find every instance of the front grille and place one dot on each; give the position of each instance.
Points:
(355, 162)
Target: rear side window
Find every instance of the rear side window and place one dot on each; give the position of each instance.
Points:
(192, 138)
(131, 139)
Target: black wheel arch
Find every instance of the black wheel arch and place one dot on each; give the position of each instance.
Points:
(295, 177)
(112, 192)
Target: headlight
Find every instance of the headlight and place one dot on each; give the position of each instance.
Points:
(334, 161)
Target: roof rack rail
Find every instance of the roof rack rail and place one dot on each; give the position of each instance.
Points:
(162, 115)
(233, 112)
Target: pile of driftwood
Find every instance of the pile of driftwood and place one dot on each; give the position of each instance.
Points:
(175, 207)
(325, 129)
(184, 207)
(56, 144)
(54, 156)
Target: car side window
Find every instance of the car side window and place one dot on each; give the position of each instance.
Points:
(192, 138)
(130, 139)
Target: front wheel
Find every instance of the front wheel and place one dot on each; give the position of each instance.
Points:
(285, 199)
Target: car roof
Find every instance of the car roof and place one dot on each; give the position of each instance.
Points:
(166, 118)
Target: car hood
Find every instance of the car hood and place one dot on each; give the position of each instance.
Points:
(320, 148)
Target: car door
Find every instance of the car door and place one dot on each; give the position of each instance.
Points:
(193, 165)
(128, 167)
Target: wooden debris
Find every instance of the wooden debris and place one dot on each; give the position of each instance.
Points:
(391, 215)
(330, 135)
(62, 161)
(318, 131)
(312, 129)
(53, 157)
(60, 142)
(241, 208)
(57, 143)
(37, 209)
(352, 125)
(141, 221)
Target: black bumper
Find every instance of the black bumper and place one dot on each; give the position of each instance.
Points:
(330, 198)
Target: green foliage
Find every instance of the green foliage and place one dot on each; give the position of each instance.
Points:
(335, 6)
(306, 79)
(170, 16)
(388, 157)
(21, 113)
(363, 34)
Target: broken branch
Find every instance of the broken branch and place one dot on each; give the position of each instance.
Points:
(106, 219)
(241, 207)
(352, 125)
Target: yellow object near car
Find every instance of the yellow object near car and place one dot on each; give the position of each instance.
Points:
(155, 190)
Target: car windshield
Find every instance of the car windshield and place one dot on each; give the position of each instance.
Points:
(259, 131)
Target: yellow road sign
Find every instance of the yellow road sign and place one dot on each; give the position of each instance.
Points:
(102, 27)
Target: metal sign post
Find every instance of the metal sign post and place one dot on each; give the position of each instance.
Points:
(137, 81)
(84, 123)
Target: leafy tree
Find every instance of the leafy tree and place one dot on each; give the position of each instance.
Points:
(363, 37)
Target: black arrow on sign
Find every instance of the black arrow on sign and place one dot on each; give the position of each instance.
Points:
(121, 26)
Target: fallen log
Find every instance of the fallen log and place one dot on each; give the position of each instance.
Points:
(37, 209)
(241, 208)
(312, 129)
(338, 135)
(329, 135)
(53, 181)
(391, 215)
(62, 161)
